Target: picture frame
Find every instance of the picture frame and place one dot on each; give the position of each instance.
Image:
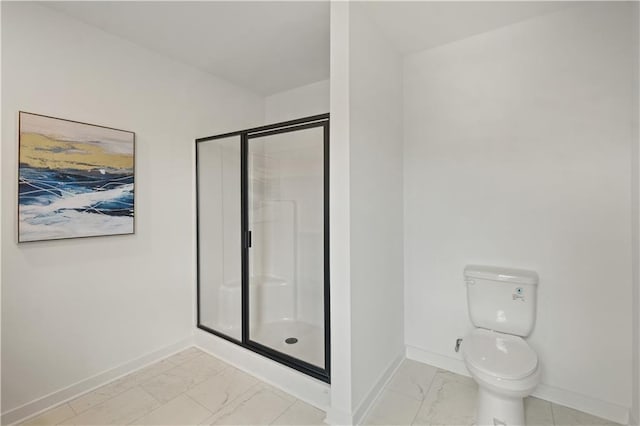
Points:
(75, 179)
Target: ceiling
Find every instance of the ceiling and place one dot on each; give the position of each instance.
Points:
(272, 46)
(266, 47)
(412, 26)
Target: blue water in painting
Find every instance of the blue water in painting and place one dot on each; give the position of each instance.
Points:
(74, 203)
(44, 187)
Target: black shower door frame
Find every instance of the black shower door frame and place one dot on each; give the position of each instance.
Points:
(322, 120)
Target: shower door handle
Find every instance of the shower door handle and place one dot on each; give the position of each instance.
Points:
(247, 239)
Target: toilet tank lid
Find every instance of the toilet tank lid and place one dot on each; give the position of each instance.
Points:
(496, 273)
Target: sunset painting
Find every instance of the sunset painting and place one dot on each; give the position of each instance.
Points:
(75, 179)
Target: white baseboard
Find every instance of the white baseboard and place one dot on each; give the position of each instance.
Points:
(300, 385)
(338, 418)
(593, 406)
(577, 401)
(38, 406)
(367, 403)
(441, 361)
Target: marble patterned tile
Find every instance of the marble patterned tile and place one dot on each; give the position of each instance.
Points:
(201, 367)
(121, 409)
(412, 379)
(537, 412)
(179, 411)
(565, 416)
(185, 355)
(258, 406)
(183, 377)
(301, 413)
(278, 392)
(451, 400)
(150, 371)
(393, 408)
(222, 389)
(167, 386)
(52, 416)
(103, 393)
(95, 397)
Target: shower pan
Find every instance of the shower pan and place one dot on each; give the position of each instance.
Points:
(263, 241)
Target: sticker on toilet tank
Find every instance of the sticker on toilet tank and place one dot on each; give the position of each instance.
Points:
(518, 294)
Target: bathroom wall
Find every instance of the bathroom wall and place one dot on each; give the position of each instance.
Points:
(375, 142)
(366, 213)
(340, 411)
(517, 149)
(635, 224)
(72, 309)
(304, 101)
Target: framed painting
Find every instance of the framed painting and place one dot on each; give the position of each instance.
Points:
(75, 179)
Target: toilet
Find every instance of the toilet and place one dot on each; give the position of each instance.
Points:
(502, 307)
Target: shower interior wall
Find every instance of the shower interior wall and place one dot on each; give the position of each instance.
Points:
(287, 227)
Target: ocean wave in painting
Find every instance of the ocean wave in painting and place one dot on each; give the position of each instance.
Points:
(55, 203)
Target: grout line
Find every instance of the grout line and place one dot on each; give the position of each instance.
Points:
(229, 402)
(70, 417)
(67, 401)
(176, 365)
(424, 397)
(148, 412)
(415, 416)
(211, 413)
(283, 413)
(150, 394)
(137, 384)
(237, 398)
(60, 421)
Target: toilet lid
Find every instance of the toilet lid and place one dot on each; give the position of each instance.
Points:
(498, 354)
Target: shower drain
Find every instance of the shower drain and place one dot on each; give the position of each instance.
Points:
(291, 340)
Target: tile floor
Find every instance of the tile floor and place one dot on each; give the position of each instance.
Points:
(419, 394)
(195, 388)
(189, 388)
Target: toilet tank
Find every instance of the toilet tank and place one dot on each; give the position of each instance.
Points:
(501, 299)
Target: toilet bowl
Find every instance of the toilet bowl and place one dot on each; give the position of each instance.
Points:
(502, 307)
(506, 370)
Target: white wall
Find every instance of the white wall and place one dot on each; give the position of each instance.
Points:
(375, 99)
(366, 212)
(339, 206)
(635, 224)
(71, 309)
(303, 101)
(517, 150)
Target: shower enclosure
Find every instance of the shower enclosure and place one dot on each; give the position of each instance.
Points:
(263, 241)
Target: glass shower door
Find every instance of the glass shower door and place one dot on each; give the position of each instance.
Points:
(286, 224)
(219, 236)
(263, 241)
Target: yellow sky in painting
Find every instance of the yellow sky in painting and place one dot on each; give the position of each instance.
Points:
(41, 151)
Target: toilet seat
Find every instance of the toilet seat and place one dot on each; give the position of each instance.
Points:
(499, 355)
